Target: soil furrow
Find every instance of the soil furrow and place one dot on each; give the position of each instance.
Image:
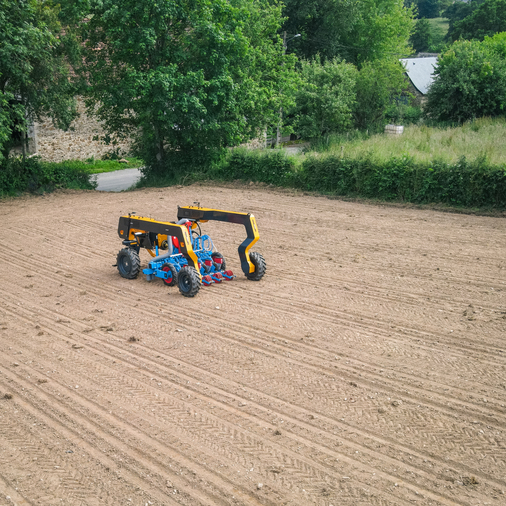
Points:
(361, 449)
(367, 367)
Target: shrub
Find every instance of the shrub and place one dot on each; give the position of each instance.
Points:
(324, 102)
(35, 176)
(378, 84)
(273, 167)
(421, 38)
(465, 183)
(470, 82)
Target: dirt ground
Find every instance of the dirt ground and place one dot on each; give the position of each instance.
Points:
(368, 367)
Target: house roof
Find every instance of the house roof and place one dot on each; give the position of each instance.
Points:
(420, 72)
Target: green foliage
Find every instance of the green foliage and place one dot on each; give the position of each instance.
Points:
(186, 80)
(93, 166)
(34, 74)
(325, 99)
(486, 19)
(421, 38)
(381, 32)
(428, 8)
(465, 183)
(429, 35)
(468, 183)
(409, 167)
(272, 167)
(457, 11)
(470, 82)
(321, 23)
(402, 113)
(378, 84)
(32, 175)
(438, 31)
(360, 31)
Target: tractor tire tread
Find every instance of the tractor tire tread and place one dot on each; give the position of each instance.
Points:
(128, 263)
(260, 266)
(173, 270)
(189, 281)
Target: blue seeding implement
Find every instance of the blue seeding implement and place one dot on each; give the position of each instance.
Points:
(181, 254)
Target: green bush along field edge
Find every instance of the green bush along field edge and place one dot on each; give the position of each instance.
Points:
(34, 176)
(463, 183)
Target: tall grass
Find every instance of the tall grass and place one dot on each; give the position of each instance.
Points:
(464, 166)
(479, 139)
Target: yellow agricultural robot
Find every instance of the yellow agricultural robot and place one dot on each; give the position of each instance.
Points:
(181, 254)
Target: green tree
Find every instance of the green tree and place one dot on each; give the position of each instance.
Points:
(324, 102)
(381, 32)
(34, 72)
(485, 20)
(428, 8)
(185, 79)
(322, 25)
(421, 38)
(457, 11)
(379, 84)
(470, 81)
(359, 31)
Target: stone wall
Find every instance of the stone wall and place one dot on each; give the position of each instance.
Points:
(55, 145)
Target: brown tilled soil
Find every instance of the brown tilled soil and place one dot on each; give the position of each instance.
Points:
(368, 367)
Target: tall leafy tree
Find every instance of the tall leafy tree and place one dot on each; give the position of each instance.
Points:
(357, 31)
(34, 71)
(185, 78)
(381, 32)
(321, 23)
(421, 38)
(457, 11)
(379, 83)
(428, 8)
(324, 101)
(470, 81)
(486, 19)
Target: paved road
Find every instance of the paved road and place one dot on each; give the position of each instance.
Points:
(118, 180)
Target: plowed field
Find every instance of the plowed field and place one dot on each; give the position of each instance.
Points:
(368, 367)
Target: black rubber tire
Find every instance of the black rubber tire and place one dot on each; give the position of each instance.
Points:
(219, 267)
(188, 281)
(260, 266)
(129, 263)
(173, 280)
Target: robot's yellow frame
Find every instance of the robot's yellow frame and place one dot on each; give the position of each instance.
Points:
(146, 232)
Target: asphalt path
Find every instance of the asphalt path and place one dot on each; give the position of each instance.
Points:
(118, 180)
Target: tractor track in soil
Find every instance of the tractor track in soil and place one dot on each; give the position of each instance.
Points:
(367, 367)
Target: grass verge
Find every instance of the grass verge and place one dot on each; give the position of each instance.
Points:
(459, 167)
(98, 166)
(478, 139)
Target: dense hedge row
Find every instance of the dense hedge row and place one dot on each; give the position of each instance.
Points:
(272, 167)
(35, 176)
(464, 183)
